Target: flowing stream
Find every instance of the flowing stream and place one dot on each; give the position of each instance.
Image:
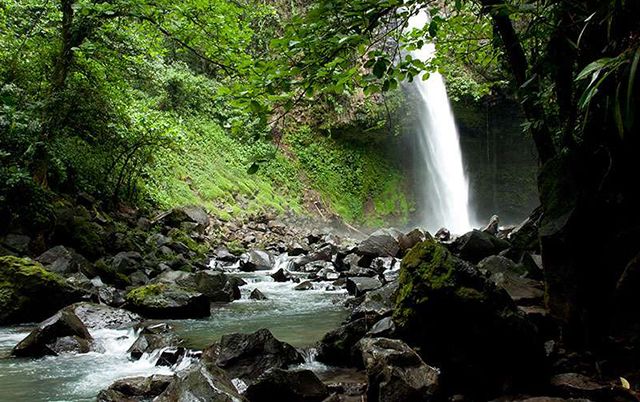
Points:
(444, 187)
(298, 317)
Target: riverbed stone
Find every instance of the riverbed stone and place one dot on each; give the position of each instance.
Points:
(306, 285)
(99, 316)
(361, 285)
(46, 338)
(287, 386)
(381, 243)
(201, 382)
(63, 260)
(476, 245)
(377, 303)
(280, 275)
(396, 373)
(247, 356)
(162, 300)
(28, 292)
(135, 389)
(336, 347)
(256, 294)
(256, 260)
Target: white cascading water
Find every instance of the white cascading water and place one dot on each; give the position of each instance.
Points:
(445, 190)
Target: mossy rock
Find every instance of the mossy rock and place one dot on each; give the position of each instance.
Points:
(168, 301)
(108, 275)
(178, 235)
(464, 325)
(28, 292)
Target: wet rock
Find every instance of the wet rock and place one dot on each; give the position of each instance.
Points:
(465, 325)
(507, 275)
(287, 386)
(247, 356)
(306, 285)
(201, 382)
(171, 356)
(377, 303)
(168, 301)
(336, 346)
(325, 253)
(62, 260)
(99, 316)
(383, 328)
(296, 249)
(476, 245)
(223, 254)
(410, 239)
(280, 276)
(46, 338)
(256, 294)
(381, 243)
(153, 337)
(361, 285)
(316, 266)
(526, 235)
(28, 292)
(111, 296)
(213, 284)
(443, 235)
(396, 373)
(351, 261)
(256, 260)
(493, 226)
(382, 264)
(136, 389)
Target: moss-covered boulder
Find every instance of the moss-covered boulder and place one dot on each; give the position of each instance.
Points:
(28, 292)
(464, 325)
(162, 300)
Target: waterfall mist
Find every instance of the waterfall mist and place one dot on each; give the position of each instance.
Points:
(443, 188)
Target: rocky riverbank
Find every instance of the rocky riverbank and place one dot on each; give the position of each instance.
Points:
(429, 318)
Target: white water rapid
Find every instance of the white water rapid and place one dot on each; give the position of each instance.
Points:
(444, 188)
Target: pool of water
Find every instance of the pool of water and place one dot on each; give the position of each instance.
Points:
(297, 317)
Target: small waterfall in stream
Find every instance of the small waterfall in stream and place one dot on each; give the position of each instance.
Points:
(444, 189)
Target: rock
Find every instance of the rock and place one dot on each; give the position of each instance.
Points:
(396, 373)
(215, 285)
(525, 235)
(126, 262)
(223, 254)
(99, 316)
(17, 243)
(381, 243)
(377, 303)
(62, 260)
(574, 385)
(153, 337)
(412, 238)
(306, 285)
(382, 264)
(158, 240)
(493, 226)
(507, 275)
(255, 260)
(325, 253)
(476, 245)
(201, 382)
(361, 285)
(443, 235)
(351, 261)
(171, 356)
(46, 338)
(28, 292)
(257, 295)
(336, 346)
(383, 328)
(466, 326)
(136, 389)
(189, 214)
(287, 386)
(138, 278)
(280, 276)
(247, 356)
(111, 296)
(168, 301)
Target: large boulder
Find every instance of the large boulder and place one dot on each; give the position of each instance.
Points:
(287, 386)
(476, 245)
(256, 260)
(28, 292)
(336, 347)
(126, 262)
(324, 253)
(201, 382)
(100, 316)
(381, 243)
(168, 301)
(466, 326)
(396, 373)
(135, 389)
(64, 261)
(195, 217)
(60, 333)
(215, 285)
(361, 285)
(247, 356)
(509, 276)
(154, 337)
(377, 303)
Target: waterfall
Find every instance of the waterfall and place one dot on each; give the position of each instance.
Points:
(444, 189)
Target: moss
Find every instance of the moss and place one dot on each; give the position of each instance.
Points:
(15, 267)
(469, 293)
(109, 275)
(235, 247)
(180, 236)
(143, 293)
(426, 268)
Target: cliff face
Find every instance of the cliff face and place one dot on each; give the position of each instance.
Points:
(500, 160)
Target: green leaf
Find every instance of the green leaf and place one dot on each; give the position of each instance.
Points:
(379, 68)
(253, 169)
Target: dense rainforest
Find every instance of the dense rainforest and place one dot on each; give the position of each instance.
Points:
(243, 200)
